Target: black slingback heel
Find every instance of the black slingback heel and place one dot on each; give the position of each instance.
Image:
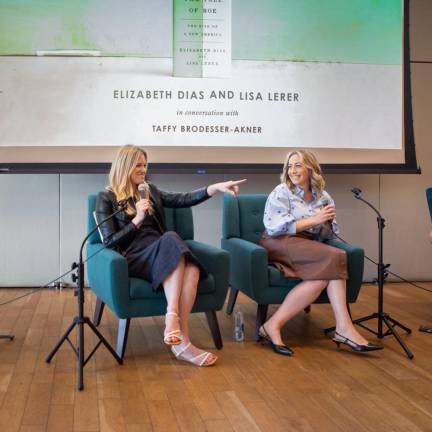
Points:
(340, 339)
(279, 349)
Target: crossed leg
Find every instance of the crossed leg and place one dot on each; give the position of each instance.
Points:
(173, 286)
(336, 291)
(180, 290)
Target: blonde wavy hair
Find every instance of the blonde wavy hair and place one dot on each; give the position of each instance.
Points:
(120, 173)
(311, 163)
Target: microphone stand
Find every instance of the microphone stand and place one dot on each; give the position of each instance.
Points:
(381, 316)
(80, 319)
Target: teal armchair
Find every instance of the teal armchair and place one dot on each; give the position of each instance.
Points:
(250, 272)
(130, 297)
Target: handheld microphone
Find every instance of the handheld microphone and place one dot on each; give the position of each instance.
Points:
(144, 191)
(356, 191)
(325, 203)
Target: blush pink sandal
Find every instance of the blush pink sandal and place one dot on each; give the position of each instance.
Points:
(173, 337)
(198, 360)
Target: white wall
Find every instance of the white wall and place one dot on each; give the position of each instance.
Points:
(43, 217)
(29, 233)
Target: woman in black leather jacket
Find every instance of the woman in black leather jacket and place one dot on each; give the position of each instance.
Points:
(159, 256)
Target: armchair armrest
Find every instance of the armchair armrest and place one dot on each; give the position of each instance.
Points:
(216, 261)
(108, 276)
(249, 263)
(355, 261)
(213, 259)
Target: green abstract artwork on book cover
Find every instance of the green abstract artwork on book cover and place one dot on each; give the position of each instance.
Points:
(347, 31)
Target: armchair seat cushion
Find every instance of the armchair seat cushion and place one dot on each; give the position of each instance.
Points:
(141, 289)
(277, 279)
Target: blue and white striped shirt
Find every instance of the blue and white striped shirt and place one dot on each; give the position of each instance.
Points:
(283, 208)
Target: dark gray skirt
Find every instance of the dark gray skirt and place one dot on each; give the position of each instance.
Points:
(154, 257)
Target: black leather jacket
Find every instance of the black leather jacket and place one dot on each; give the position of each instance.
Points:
(120, 231)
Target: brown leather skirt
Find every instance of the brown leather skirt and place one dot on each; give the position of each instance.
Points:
(299, 256)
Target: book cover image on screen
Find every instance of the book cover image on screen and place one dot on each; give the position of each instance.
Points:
(243, 80)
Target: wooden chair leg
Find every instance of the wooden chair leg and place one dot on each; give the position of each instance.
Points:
(260, 318)
(231, 300)
(307, 309)
(98, 311)
(123, 331)
(214, 328)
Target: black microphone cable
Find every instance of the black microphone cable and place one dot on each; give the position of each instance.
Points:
(388, 271)
(121, 206)
(47, 285)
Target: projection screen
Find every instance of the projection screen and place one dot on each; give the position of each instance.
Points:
(205, 84)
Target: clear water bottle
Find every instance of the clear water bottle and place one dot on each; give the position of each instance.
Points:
(238, 332)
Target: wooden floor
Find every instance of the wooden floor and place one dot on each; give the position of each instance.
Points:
(250, 388)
